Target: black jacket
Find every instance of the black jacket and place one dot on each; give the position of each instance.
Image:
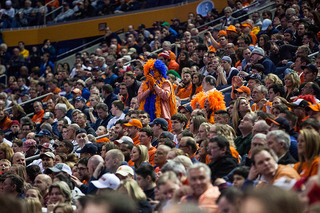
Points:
(287, 159)
(222, 167)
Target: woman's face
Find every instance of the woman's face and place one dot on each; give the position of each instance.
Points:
(244, 106)
(301, 145)
(182, 56)
(261, 41)
(31, 193)
(288, 81)
(195, 79)
(202, 149)
(134, 155)
(202, 132)
(16, 148)
(56, 196)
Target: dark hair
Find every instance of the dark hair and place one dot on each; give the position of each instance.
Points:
(119, 104)
(211, 80)
(102, 106)
(222, 142)
(311, 122)
(84, 160)
(168, 142)
(18, 181)
(147, 130)
(186, 133)
(258, 67)
(33, 171)
(277, 88)
(66, 179)
(242, 171)
(181, 118)
(69, 145)
(108, 88)
(145, 171)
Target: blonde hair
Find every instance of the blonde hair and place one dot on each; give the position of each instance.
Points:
(62, 99)
(144, 155)
(295, 79)
(312, 146)
(226, 131)
(133, 189)
(8, 150)
(274, 78)
(67, 208)
(236, 116)
(33, 205)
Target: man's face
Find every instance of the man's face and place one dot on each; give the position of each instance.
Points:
(264, 163)
(109, 162)
(199, 181)
(177, 125)
(118, 130)
(183, 145)
(123, 90)
(186, 78)
(15, 128)
(37, 107)
(47, 162)
(82, 139)
(132, 131)
(142, 182)
(246, 122)
(160, 156)
(144, 119)
(220, 119)
(113, 109)
(144, 139)
(167, 190)
(274, 145)
(79, 104)
(128, 80)
(257, 95)
(255, 58)
(81, 120)
(82, 170)
(102, 114)
(19, 159)
(308, 75)
(7, 186)
(271, 94)
(307, 89)
(40, 183)
(215, 152)
(257, 142)
(246, 54)
(125, 150)
(62, 148)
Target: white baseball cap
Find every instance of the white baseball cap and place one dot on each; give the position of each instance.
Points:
(125, 170)
(61, 167)
(107, 181)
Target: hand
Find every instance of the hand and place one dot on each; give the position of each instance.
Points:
(236, 81)
(50, 206)
(220, 69)
(253, 173)
(91, 109)
(98, 170)
(76, 181)
(261, 103)
(182, 191)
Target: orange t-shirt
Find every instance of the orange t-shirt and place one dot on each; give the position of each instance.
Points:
(308, 170)
(37, 118)
(266, 107)
(235, 153)
(152, 152)
(173, 65)
(185, 92)
(136, 140)
(103, 140)
(199, 89)
(6, 123)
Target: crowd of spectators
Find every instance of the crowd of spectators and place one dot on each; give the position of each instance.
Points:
(141, 124)
(17, 13)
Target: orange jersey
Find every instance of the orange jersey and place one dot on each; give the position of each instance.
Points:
(152, 152)
(185, 92)
(103, 140)
(308, 170)
(37, 118)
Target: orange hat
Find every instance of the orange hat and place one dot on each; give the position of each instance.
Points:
(134, 122)
(246, 25)
(222, 32)
(165, 54)
(315, 107)
(232, 28)
(76, 90)
(244, 89)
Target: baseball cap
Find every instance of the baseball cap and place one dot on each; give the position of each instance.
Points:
(246, 25)
(47, 146)
(227, 58)
(124, 139)
(142, 26)
(47, 154)
(80, 99)
(89, 148)
(280, 121)
(188, 108)
(125, 170)
(265, 24)
(81, 82)
(165, 24)
(253, 76)
(47, 115)
(107, 181)
(81, 131)
(166, 134)
(310, 67)
(165, 54)
(61, 167)
(28, 144)
(315, 107)
(76, 90)
(244, 89)
(14, 122)
(175, 19)
(44, 132)
(300, 103)
(132, 50)
(258, 50)
(161, 121)
(134, 122)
